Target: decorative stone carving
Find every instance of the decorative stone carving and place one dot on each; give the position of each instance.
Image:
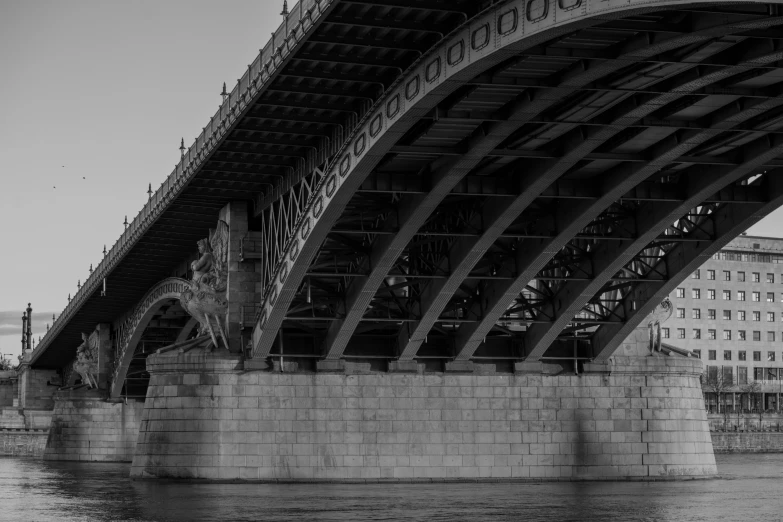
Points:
(205, 297)
(660, 315)
(86, 363)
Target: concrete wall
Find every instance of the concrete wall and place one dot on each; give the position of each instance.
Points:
(35, 393)
(86, 427)
(747, 442)
(206, 419)
(22, 443)
(9, 388)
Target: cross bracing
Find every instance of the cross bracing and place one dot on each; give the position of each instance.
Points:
(547, 181)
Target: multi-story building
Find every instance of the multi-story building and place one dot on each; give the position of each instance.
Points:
(730, 313)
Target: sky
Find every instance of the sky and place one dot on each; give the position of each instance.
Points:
(94, 98)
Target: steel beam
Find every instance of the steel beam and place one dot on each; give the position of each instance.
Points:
(636, 48)
(610, 257)
(468, 341)
(729, 222)
(416, 209)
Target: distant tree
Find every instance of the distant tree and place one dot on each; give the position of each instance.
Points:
(5, 364)
(752, 390)
(718, 383)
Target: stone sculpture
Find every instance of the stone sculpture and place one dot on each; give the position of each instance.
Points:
(660, 315)
(205, 297)
(86, 363)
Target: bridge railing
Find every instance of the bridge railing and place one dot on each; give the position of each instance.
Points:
(300, 19)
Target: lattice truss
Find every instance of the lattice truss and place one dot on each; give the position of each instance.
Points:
(616, 180)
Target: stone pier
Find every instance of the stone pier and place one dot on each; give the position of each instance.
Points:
(206, 418)
(86, 427)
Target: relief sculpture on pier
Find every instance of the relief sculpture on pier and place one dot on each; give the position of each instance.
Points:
(86, 363)
(660, 315)
(205, 296)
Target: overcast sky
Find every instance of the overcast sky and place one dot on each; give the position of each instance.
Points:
(94, 98)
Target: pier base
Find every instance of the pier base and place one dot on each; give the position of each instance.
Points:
(87, 428)
(206, 419)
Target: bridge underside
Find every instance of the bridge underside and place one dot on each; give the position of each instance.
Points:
(544, 206)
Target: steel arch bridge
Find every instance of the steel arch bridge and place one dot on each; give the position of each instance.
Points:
(469, 180)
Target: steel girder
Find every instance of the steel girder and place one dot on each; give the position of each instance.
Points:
(417, 208)
(611, 257)
(466, 253)
(728, 222)
(389, 243)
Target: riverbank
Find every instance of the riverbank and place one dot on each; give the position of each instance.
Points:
(22, 442)
(747, 442)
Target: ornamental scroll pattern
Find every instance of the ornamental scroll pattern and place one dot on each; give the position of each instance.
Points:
(170, 288)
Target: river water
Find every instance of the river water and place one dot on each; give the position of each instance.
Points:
(34, 490)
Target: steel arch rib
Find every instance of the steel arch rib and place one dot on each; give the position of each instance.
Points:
(420, 207)
(652, 218)
(685, 257)
(318, 220)
(621, 180)
(468, 251)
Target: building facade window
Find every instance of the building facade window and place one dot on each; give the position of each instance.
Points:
(696, 313)
(741, 295)
(681, 313)
(741, 277)
(680, 294)
(727, 315)
(742, 355)
(770, 297)
(756, 278)
(757, 316)
(711, 314)
(711, 275)
(741, 315)
(741, 335)
(770, 317)
(696, 333)
(771, 338)
(712, 355)
(756, 297)
(712, 334)
(697, 353)
(711, 295)
(727, 335)
(727, 295)
(742, 375)
(771, 355)
(770, 278)
(696, 274)
(696, 294)
(680, 333)
(756, 336)
(665, 333)
(726, 355)
(727, 275)
(756, 356)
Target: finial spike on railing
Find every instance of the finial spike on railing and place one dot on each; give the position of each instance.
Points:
(224, 93)
(125, 222)
(104, 250)
(149, 192)
(181, 149)
(285, 8)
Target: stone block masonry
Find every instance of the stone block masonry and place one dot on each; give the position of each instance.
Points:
(206, 419)
(87, 428)
(747, 442)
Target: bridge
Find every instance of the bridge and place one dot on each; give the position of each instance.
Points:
(452, 187)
